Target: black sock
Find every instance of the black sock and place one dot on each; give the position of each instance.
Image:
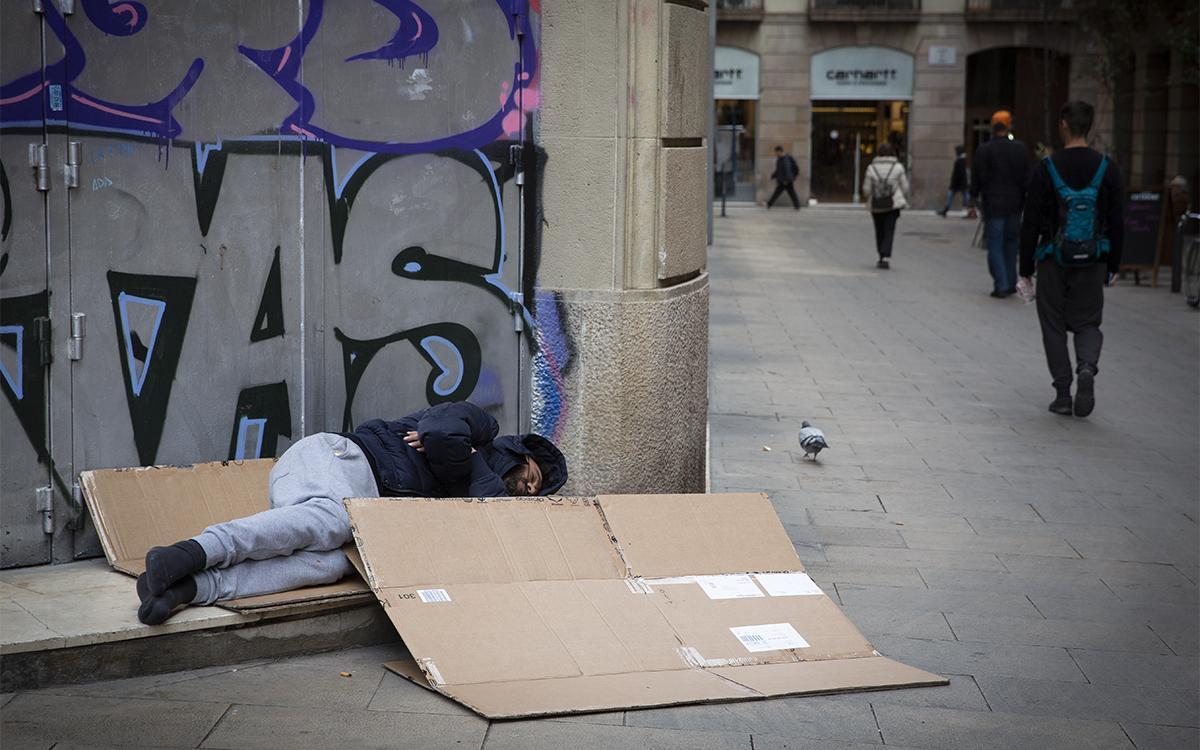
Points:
(166, 565)
(157, 609)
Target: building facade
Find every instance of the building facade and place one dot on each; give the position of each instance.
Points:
(836, 78)
(300, 215)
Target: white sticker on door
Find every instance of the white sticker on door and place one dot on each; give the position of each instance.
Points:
(774, 637)
(433, 595)
(789, 584)
(728, 587)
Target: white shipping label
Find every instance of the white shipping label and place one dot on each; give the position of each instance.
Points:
(433, 595)
(728, 587)
(775, 637)
(789, 584)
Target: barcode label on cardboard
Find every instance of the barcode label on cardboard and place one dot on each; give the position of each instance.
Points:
(728, 587)
(774, 637)
(433, 595)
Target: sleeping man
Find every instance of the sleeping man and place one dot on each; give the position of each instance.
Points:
(449, 450)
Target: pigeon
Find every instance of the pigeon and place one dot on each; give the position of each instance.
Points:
(812, 440)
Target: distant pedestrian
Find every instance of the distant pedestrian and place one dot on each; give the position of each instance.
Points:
(885, 187)
(1074, 230)
(998, 182)
(958, 182)
(785, 174)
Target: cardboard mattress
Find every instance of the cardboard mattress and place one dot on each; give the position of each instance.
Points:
(519, 607)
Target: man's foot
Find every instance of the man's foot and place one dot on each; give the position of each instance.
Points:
(1085, 393)
(155, 610)
(941, 213)
(971, 214)
(1061, 404)
(998, 294)
(883, 263)
(166, 565)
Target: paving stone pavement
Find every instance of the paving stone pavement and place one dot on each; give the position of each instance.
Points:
(1047, 565)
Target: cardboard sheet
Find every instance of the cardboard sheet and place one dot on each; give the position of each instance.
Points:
(139, 508)
(520, 607)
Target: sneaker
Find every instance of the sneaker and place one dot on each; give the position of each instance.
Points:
(998, 294)
(941, 213)
(1085, 393)
(883, 263)
(1061, 405)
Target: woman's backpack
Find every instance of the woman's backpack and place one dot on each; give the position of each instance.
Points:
(883, 191)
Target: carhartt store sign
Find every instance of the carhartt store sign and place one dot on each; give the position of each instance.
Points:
(735, 74)
(872, 73)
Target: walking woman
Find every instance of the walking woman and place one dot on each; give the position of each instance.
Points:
(886, 189)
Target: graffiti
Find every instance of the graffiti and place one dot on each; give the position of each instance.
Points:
(123, 19)
(419, 121)
(23, 376)
(551, 364)
(268, 322)
(21, 103)
(6, 205)
(263, 413)
(417, 35)
(454, 372)
(151, 314)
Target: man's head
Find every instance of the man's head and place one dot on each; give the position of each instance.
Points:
(959, 150)
(1075, 120)
(779, 150)
(1001, 122)
(524, 479)
(527, 464)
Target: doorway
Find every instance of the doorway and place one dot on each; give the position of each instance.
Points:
(733, 170)
(845, 137)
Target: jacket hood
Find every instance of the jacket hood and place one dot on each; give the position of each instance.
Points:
(509, 450)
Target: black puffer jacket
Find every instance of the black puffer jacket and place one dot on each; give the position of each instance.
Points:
(448, 468)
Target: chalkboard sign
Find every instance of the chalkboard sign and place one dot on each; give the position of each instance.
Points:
(1143, 213)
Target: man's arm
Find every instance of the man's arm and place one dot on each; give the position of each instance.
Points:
(1031, 221)
(978, 169)
(449, 434)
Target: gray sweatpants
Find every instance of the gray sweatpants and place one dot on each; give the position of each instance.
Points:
(297, 542)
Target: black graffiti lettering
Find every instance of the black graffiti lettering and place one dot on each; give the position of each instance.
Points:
(24, 379)
(268, 323)
(151, 317)
(6, 204)
(357, 355)
(266, 409)
(206, 186)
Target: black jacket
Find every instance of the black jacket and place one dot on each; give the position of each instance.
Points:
(1077, 166)
(958, 177)
(448, 468)
(999, 176)
(786, 169)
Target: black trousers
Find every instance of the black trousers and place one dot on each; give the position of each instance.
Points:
(1070, 299)
(885, 230)
(779, 188)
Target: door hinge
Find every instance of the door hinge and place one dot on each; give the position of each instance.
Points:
(71, 170)
(517, 305)
(40, 166)
(45, 507)
(75, 341)
(76, 521)
(41, 335)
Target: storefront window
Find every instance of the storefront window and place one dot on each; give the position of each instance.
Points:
(733, 170)
(846, 136)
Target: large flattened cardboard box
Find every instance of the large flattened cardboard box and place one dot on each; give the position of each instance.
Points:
(520, 607)
(139, 508)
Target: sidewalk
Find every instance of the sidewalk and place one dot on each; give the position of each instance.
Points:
(1047, 565)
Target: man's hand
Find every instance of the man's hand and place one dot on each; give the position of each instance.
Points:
(414, 441)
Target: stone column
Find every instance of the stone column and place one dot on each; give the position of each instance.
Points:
(619, 375)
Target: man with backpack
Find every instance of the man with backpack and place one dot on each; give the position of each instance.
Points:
(1074, 230)
(785, 174)
(998, 182)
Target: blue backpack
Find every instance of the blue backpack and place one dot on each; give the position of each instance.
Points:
(1080, 239)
